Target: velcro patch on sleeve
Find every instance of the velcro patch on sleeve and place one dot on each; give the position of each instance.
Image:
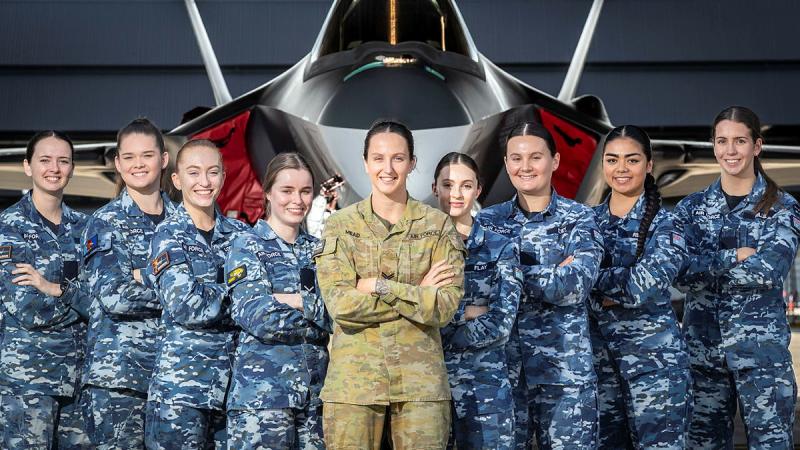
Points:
(236, 275)
(91, 245)
(160, 263)
(677, 239)
(5, 252)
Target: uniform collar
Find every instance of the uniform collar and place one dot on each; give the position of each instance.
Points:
(222, 225)
(715, 197)
(636, 213)
(263, 229)
(132, 209)
(517, 213)
(414, 211)
(68, 215)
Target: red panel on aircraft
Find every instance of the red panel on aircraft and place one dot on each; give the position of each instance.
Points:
(576, 147)
(242, 190)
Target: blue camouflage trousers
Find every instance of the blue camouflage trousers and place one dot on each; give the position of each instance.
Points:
(648, 411)
(559, 416)
(34, 422)
(766, 398)
(275, 429)
(173, 427)
(475, 431)
(115, 417)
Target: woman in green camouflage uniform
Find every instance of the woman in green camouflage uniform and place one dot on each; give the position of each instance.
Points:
(390, 271)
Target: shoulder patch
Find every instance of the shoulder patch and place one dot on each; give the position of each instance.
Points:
(236, 275)
(677, 239)
(328, 247)
(5, 252)
(160, 263)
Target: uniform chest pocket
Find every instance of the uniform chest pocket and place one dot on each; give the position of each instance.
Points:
(748, 233)
(552, 251)
(415, 258)
(479, 280)
(284, 277)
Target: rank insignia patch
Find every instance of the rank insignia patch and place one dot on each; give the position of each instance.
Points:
(160, 263)
(236, 275)
(5, 252)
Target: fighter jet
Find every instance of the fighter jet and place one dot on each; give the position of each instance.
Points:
(414, 61)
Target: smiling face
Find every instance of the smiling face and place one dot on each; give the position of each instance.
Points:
(199, 176)
(51, 165)
(140, 162)
(625, 166)
(530, 165)
(735, 148)
(388, 164)
(456, 188)
(290, 197)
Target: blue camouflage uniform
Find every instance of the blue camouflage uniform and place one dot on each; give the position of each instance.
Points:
(474, 350)
(550, 355)
(640, 356)
(124, 324)
(42, 337)
(735, 317)
(281, 356)
(186, 399)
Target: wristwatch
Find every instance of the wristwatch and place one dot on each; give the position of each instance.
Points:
(381, 288)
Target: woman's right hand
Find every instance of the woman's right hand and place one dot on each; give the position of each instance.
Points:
(472, 312)
(440, 274)
(744, 253)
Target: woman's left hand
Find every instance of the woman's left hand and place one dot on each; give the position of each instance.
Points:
(366, 285)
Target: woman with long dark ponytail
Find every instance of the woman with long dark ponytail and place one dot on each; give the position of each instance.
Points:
(742, 235)
(639, 353)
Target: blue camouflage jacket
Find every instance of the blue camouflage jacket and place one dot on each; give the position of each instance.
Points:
(281, 356)
(194, 359)
(474, 350)
(42, 337)
(554, 344)
(735, 313)
(125, 314)
(641, 334)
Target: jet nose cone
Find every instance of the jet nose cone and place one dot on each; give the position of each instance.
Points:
(414, 95)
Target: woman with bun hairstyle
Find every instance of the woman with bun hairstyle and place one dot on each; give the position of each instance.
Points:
(639, 353)
(550, 355)
(474, 341)
(742, 235)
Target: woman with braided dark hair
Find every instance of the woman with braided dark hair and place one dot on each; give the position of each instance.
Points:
(639, 354)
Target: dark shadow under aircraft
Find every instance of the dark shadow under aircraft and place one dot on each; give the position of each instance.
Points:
(415, 61)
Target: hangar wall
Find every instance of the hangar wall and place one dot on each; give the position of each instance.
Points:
(91, 65)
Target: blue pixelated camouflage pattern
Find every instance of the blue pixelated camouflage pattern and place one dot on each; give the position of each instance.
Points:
(642, 333)
(552, 319)
(268, 429)
(549, 344)
(125, 314)
(735, 314)
(639, 340)
(281, 356)
(180, 427)
(474, 350)
(43, 337)
(194, 358)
